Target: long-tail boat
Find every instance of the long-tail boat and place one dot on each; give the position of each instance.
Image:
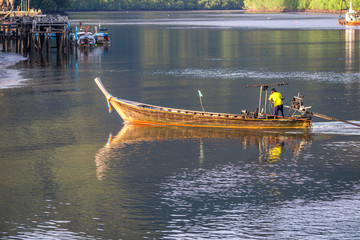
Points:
(141, 113)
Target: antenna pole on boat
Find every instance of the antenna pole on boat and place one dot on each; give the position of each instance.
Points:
(261, 89)
(266, 97)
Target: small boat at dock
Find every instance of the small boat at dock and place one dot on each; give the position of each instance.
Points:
(86, 40)
(102, 38)
(141, 113)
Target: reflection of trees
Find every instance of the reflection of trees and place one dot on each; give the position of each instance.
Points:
(163, 45)
(270, 144)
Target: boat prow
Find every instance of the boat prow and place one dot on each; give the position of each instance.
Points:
(141, 113)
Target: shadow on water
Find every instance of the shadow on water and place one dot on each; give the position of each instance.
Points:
(270, 143)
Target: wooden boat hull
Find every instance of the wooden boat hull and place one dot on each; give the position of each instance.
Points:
(179, 117)
(348, 23)
(139, 113)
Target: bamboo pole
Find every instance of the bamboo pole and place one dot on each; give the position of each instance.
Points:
(332, 118)
(319, 115)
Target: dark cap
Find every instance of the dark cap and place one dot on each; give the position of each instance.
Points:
(273, 90)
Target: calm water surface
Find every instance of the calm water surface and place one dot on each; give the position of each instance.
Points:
(71, 170)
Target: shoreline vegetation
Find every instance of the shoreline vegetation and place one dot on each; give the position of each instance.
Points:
(217, 11)
(249, 6)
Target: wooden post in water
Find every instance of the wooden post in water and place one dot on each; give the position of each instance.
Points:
(59, 51)
(21, 44)
(42, 42)
(9, 38)
(17, 39)
(48, 44)
(32, 45)
(3, 38)
(32, 34)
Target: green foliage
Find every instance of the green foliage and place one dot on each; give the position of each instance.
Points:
(219, 4)
(322, 5)
(303, 4)
(154, 4)
(47, 5)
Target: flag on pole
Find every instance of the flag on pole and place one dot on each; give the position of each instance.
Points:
(202, 106)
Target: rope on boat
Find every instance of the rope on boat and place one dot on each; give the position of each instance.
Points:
(108, 98)
(106, 93)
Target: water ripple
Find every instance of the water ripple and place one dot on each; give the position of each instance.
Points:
(337, 128)
(47, 230)
(10, 78)
(214, 204)
(220, 73)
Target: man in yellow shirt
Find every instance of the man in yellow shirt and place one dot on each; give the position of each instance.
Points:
(277, 99)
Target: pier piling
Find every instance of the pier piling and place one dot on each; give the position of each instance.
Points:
(32, 34)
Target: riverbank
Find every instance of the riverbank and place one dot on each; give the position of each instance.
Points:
(223, 11)
(290, 11)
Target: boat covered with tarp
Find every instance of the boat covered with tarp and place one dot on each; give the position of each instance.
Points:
(102, 38)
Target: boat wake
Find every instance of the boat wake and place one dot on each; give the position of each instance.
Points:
(10, 77)
(337, 128)
(219, 73)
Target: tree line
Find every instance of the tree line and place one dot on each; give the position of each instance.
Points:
(316, 5)
(133, 5)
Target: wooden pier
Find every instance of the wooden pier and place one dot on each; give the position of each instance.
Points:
(33, 35)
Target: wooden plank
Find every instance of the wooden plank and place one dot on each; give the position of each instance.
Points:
(268, 85)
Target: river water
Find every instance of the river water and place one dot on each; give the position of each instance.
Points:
(71, 170)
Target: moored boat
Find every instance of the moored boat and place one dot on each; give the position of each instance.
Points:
(352, 18)
(140, 113)
(87, 40)
(102, 38)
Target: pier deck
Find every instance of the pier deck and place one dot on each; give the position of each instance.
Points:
(32, 33)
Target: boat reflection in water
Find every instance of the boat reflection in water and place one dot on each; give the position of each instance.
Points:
(270, 143)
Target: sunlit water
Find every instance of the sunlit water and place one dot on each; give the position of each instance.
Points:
(10, 76)
(71, 170)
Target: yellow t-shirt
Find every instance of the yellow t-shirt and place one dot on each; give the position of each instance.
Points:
(276, 97)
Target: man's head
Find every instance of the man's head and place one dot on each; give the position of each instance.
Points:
(273, 90)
